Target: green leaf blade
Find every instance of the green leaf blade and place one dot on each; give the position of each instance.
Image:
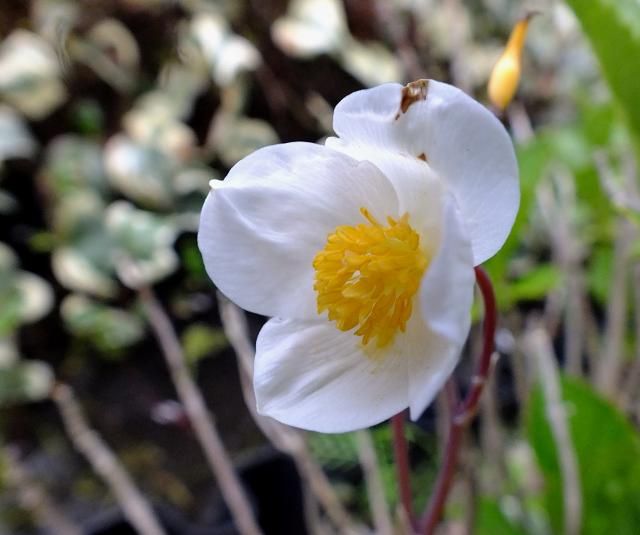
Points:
(613, 28)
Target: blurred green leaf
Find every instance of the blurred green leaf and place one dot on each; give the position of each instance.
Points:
(15, 139)
(339, 453)
(8, 203)
(82, 261)
(30, 74)
(607, 449)
(200, 340)
(490, 520)
(24, 297)
(599, 273)
(371, 63)
(334, 451)
(613, 27)
(24, 381)
(536, 284)
(598, 121)
(225, 53)
(9, 294)
(76, 271)
(88, 117)
(192, 259)
(10, 310)
(233, 137)
(311, 28)
(141, 172)
(74, 163)
(109, 329)
(142, 244)
(36, 296)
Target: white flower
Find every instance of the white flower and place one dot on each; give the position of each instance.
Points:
(362, 252)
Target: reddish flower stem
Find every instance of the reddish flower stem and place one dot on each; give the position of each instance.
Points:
(466, 409)
(401, 453)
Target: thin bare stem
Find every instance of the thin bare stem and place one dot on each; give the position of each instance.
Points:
(401, 453)
(205, 429)
(624, 195)
(557, 202)
(466, 409)
(105, 463)
(285, 438)
(538, 345)
(520, 122)
(609, 366)
(34, 497)
(375, 489)
(492, 439)
(470, 485)
(631, 385)
(570, 252)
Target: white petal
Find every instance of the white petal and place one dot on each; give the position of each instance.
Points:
(429, 369)
(446, 292)
(313, 376)
(418, 188)
(261, 228)
(464, 144)
(446, 295)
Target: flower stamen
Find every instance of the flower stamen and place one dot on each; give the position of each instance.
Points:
(367, 276)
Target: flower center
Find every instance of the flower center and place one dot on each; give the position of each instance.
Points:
(367, 276)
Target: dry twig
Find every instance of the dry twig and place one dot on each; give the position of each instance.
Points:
(609, 367)
(492, 439)
(105, 463)
(538, 346)
(375, 489)
(200, 418)
(623, 194)
(568, 252)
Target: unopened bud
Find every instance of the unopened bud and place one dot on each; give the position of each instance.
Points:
(506, 73)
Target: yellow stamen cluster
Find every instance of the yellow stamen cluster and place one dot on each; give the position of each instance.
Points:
(367, 276)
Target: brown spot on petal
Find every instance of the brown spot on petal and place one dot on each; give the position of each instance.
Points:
(411, 93)
(422, 156)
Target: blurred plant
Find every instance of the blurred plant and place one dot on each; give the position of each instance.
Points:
(25, 297)
(225, 54)
(314, 27)
(15, 139)
(142, 242)
(30, 76)
(22, 381)
(110, 329)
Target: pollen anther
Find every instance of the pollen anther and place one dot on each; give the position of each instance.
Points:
(367, 276)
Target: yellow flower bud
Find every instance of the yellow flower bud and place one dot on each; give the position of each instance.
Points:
(506, 73)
